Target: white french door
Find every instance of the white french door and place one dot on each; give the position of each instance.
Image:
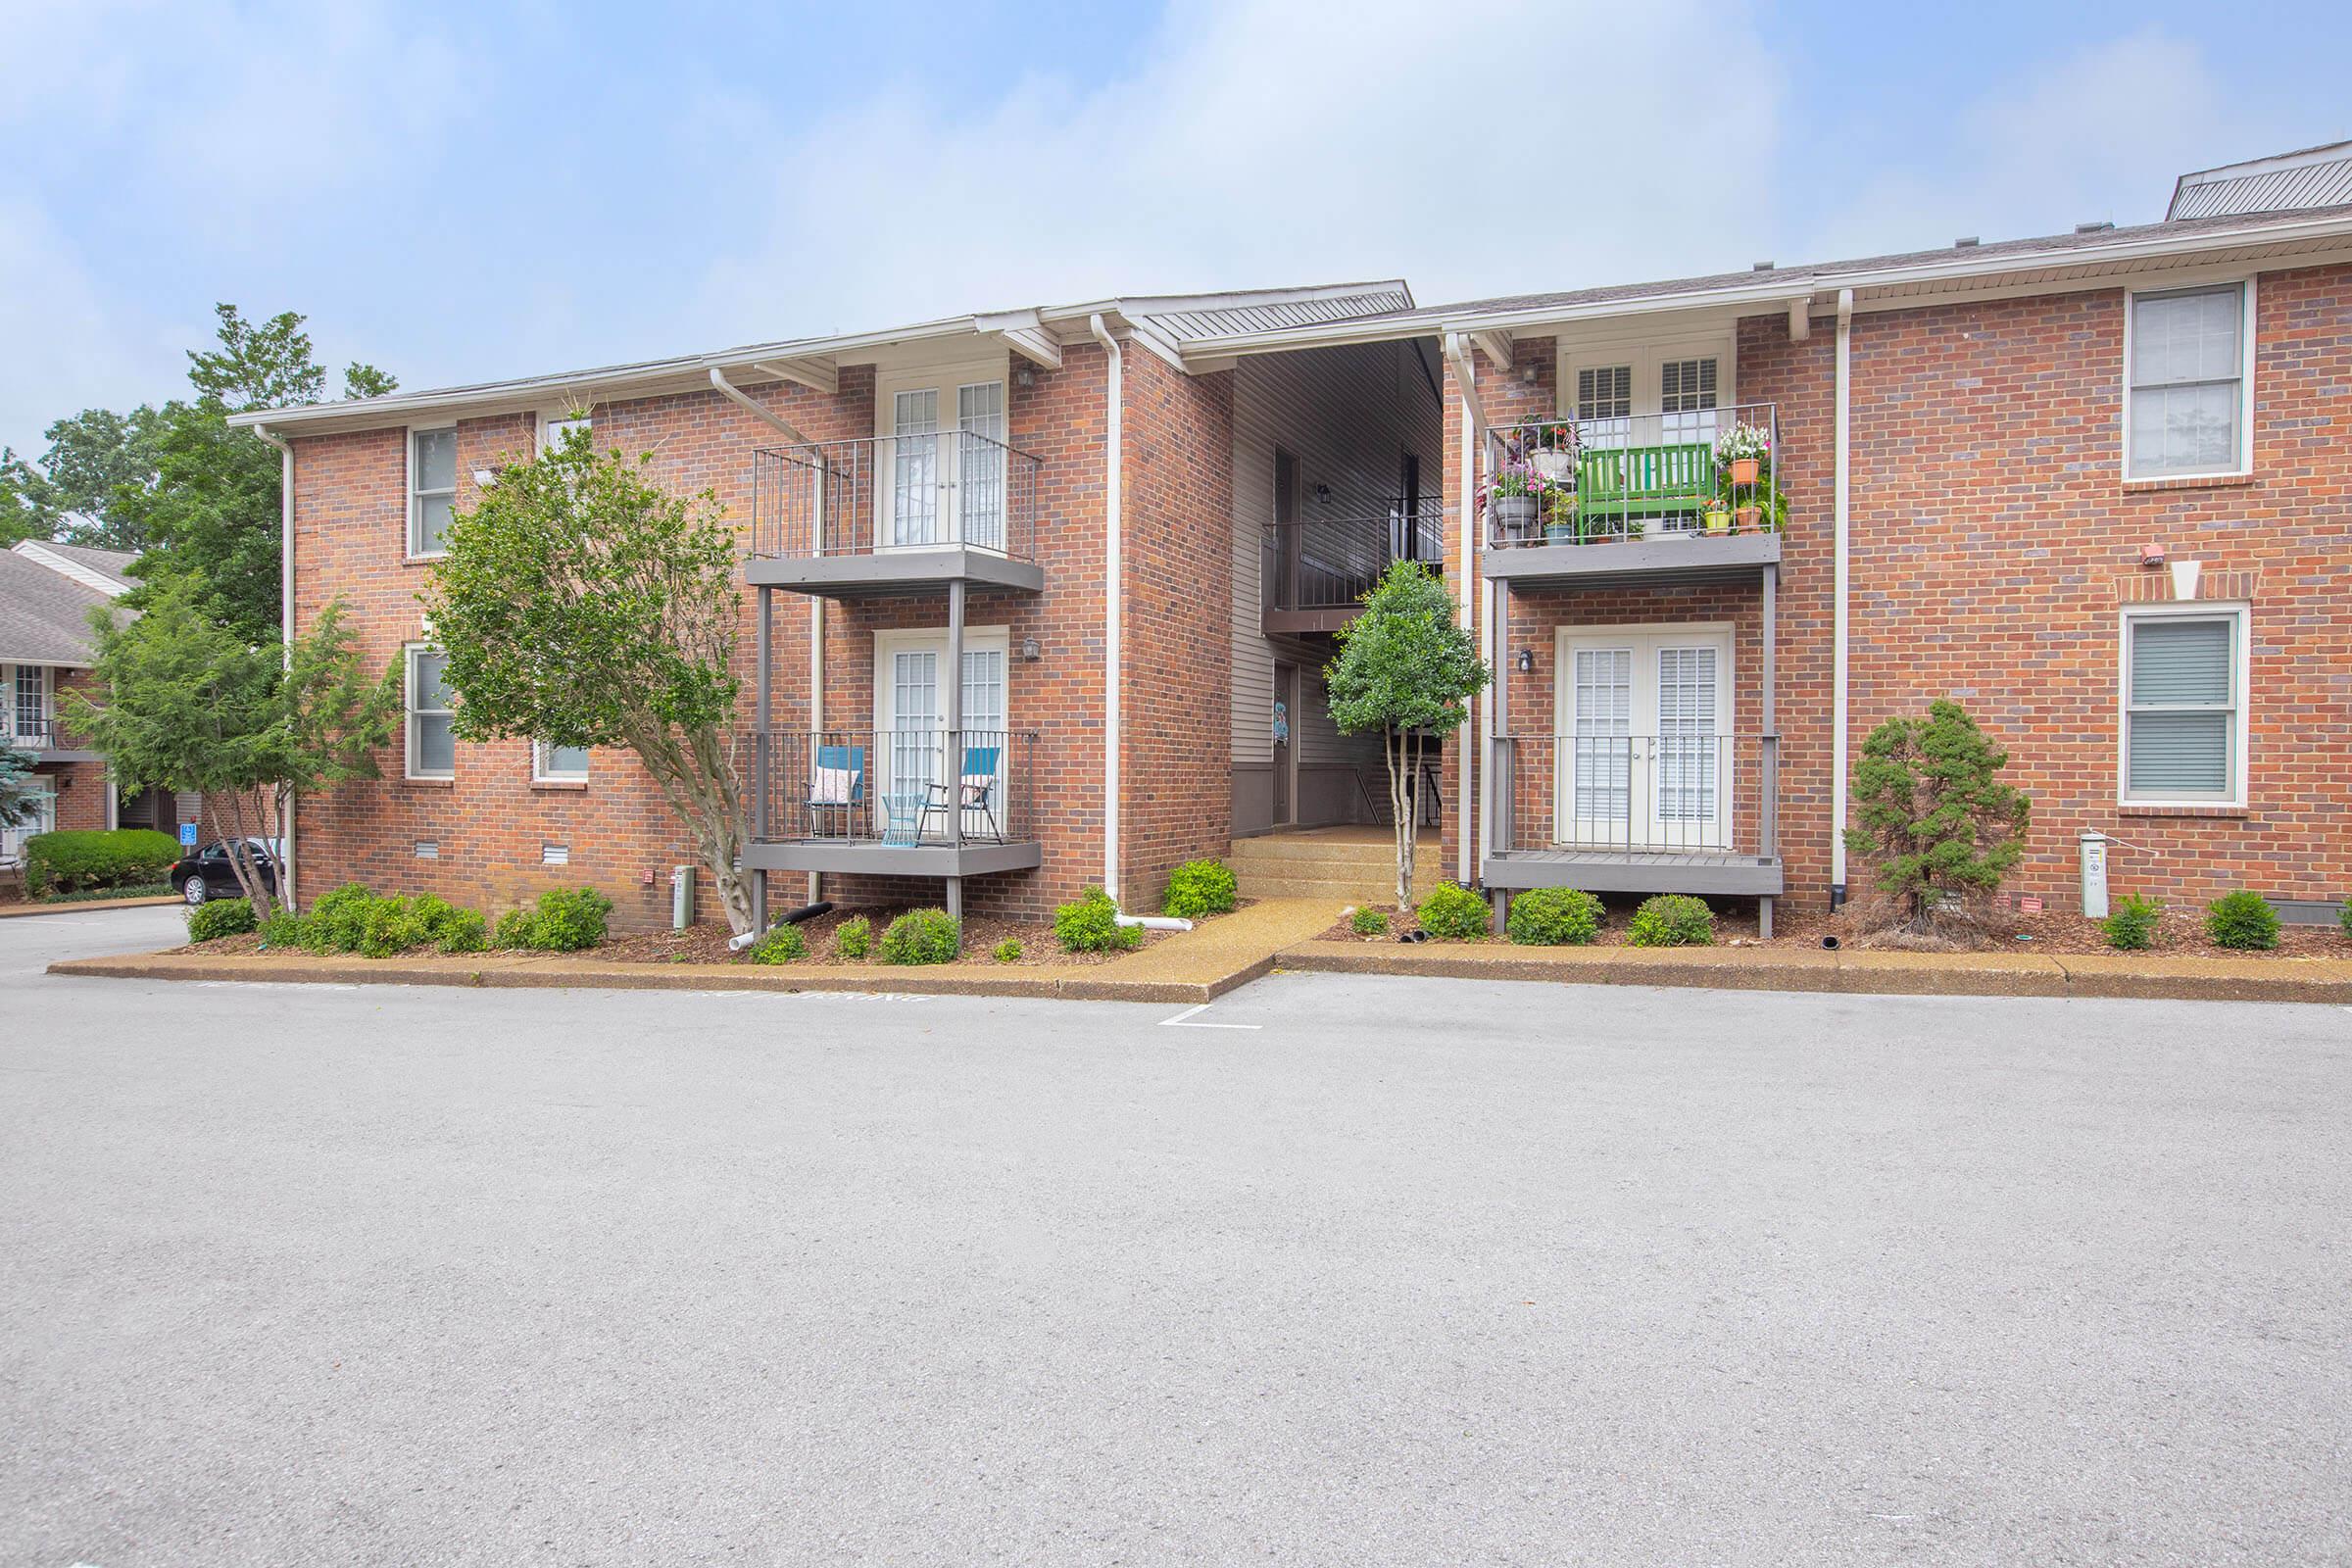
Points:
(43, 820)
(1643, 756)
(940, 473)
(911, 724)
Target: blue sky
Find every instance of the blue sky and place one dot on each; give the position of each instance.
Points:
(458, 192)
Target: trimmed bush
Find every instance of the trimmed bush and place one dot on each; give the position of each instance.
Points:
(1553, 917)
(460, 930)
(1369, 923)
(783, 943)
(1453, 913)
(2132, 925)
(516, 928)
(72, 860)
(220, 918)
(571, 919)
(1092, 925)
(1198, 887)
(922, 936)
(352, 919)
(1672, 920)
(2343, 919)
(1007, 951)
(2243, 920)
(854, 938)
(339, 919)
(284, 932)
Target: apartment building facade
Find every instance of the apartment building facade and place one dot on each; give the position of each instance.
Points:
(1041, 598)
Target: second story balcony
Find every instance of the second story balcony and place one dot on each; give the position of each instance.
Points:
(1316, 571)
(1687, 495)
(894, 514)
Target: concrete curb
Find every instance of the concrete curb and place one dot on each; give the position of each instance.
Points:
(15, 912)
(1956, 974)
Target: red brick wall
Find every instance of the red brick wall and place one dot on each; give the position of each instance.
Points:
(1993, 545)
(1175, 755)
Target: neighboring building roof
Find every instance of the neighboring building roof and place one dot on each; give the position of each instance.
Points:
(44, 613)
(107, 571)
(2316, 176)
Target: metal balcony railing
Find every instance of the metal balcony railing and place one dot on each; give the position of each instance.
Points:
(1641, 475)
(1676, 794)
(895, 787)
(26, 733)
(1331, 562)
(895, 492)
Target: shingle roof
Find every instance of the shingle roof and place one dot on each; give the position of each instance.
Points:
(115, 564)
(44, 613)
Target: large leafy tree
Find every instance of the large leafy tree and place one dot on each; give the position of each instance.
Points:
(582, 605)
(75, 493)
(1407, 668)
(1932, 810)
(210, 519)
(190, 705)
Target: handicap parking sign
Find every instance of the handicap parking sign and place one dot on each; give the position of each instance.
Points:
(187, 835)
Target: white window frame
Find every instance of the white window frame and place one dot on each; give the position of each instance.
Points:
(948, 378)
(2245, 373)
(410, 713)
(551, 419)
(412, 524)
(2241, 613)
(544, 772)
(1649, 356)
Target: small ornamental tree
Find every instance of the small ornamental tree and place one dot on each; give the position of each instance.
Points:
(1407, 668)
(582, 605)
(1933, 813)
(19, 803)
(190, 706)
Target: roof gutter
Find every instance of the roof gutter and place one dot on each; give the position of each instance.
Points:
(1474, 424)
(1112, 477)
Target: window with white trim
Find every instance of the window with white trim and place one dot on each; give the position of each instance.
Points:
(559, 765)
(1604, 392)
(556, 423)
(433, 488)
(2187, 383)
(433, 744)
(2185, 686)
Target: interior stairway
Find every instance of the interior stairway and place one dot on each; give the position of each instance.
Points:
(1351, 864)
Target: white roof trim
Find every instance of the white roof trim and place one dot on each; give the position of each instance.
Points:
(88, 575)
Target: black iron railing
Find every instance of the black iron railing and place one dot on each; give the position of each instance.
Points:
(1673, 794)
(895, 492)
(26, 733)
(901, 787)
(1321, 562)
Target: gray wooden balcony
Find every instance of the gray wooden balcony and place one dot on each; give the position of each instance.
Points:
(895, 515)
(891, 802)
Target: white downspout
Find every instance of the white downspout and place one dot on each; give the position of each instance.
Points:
(817, 604)
(286, 891)
(1114, 462)
(1838, 727)
(1457, 353)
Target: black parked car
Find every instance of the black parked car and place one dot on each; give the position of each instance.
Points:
(207, 874)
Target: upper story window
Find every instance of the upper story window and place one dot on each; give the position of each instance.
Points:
(1685, 386)
(556, 424)
(432, 747)
(28, 702)
(433, 488)
(1604, 392)
(2185, 695)
(2189, 368)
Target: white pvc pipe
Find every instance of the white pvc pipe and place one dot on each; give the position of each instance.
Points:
(1838, 577)
(1114, 393)
(1473, 418)
(1155, 922)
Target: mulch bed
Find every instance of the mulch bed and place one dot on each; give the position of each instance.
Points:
(1795, 923)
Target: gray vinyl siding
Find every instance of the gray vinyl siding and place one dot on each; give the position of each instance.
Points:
(1348, 415)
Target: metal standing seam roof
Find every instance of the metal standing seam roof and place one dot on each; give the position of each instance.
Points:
(1188, 325)
(2317, 176)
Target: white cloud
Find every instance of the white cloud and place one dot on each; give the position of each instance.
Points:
(69, 347)
(2098, 136)
(1269, 143)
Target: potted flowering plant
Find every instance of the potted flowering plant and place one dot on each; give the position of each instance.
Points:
(1515, 494)
(1742, 453)
(1551, 449)
(1719, 515)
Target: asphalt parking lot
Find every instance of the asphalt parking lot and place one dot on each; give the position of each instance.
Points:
(1339, 1270)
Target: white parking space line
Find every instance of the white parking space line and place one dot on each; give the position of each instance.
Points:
(1187, 1020)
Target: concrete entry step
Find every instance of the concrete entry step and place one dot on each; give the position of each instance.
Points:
(1356, 864)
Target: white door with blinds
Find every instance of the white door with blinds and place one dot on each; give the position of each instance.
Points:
(911, 724)
(2184, 708)
(1643, 754)
(939, 465)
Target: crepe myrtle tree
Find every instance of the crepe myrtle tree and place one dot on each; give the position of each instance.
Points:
(189, 704)
(1407, 668)
(1934, 811)
(580, 604)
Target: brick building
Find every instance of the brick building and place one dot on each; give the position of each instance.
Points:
(2092, 485)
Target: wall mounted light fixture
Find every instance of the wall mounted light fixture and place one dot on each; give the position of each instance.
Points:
(1031, 653)
(1526, 662)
